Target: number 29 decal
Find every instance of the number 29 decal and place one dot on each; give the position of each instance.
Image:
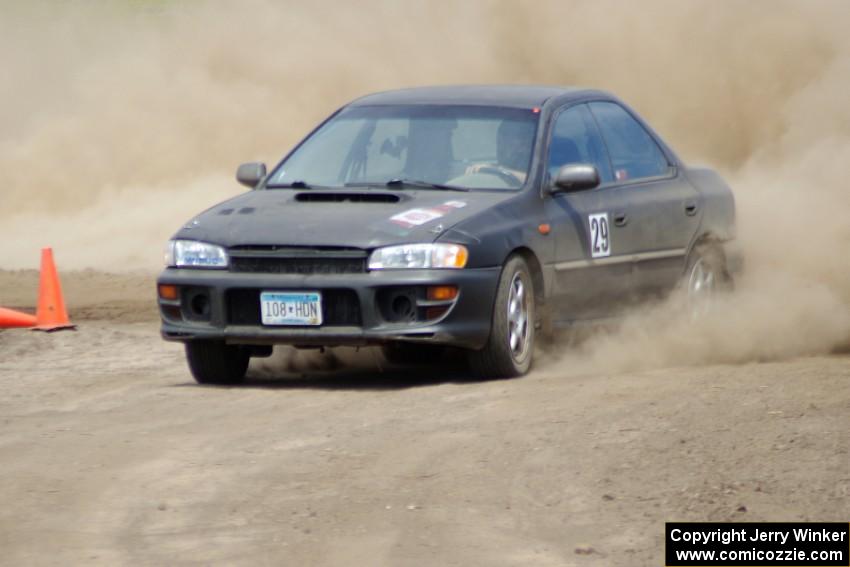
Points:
(600, 235)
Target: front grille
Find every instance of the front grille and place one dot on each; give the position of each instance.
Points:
(294, 260)
(340, 307)
(304, 266)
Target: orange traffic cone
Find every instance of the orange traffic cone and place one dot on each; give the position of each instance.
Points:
(10, 318)
(51, 314)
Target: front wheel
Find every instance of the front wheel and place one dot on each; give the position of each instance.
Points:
(510, 347)
(214, 362)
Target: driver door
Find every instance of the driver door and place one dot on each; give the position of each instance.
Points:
(593, 274)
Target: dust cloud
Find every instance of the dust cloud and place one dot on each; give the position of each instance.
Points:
(122, 119)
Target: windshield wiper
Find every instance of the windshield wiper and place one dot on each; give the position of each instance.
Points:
(400, 182)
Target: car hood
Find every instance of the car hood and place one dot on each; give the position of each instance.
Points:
(351, 218)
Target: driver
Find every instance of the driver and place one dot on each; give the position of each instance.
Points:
(513, 151)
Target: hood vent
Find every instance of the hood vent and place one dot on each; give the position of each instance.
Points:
(315, 197)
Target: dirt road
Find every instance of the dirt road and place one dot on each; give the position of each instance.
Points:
(110, 454)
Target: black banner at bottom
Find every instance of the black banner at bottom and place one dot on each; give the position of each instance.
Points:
(805, 544)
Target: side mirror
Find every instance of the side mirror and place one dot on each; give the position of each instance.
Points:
(250, 174)
(575, 177)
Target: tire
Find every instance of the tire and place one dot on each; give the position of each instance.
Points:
(409, 354)
(213, 362)
(706, 276)
(500, 357)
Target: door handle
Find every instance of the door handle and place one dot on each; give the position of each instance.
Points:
(691, 208)
(621, 219)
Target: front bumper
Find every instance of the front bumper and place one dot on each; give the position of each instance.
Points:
(230, 313)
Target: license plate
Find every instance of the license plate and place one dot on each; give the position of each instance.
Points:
(291, 308)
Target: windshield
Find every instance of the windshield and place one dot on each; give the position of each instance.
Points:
(471, 147)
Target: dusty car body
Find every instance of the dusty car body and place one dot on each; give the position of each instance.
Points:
(472, 217)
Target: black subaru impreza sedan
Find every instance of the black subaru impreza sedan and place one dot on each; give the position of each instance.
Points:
(473, 217)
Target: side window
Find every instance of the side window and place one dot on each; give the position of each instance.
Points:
(634, 154)
(575, 139)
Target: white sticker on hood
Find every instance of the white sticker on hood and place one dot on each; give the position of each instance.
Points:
(455, 204)
(416, 217)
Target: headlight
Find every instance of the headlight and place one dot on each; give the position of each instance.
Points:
(419, 256)
(192, 254)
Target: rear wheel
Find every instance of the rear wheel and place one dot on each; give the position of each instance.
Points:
(706, 276)
(214, 362)
(510, 347)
